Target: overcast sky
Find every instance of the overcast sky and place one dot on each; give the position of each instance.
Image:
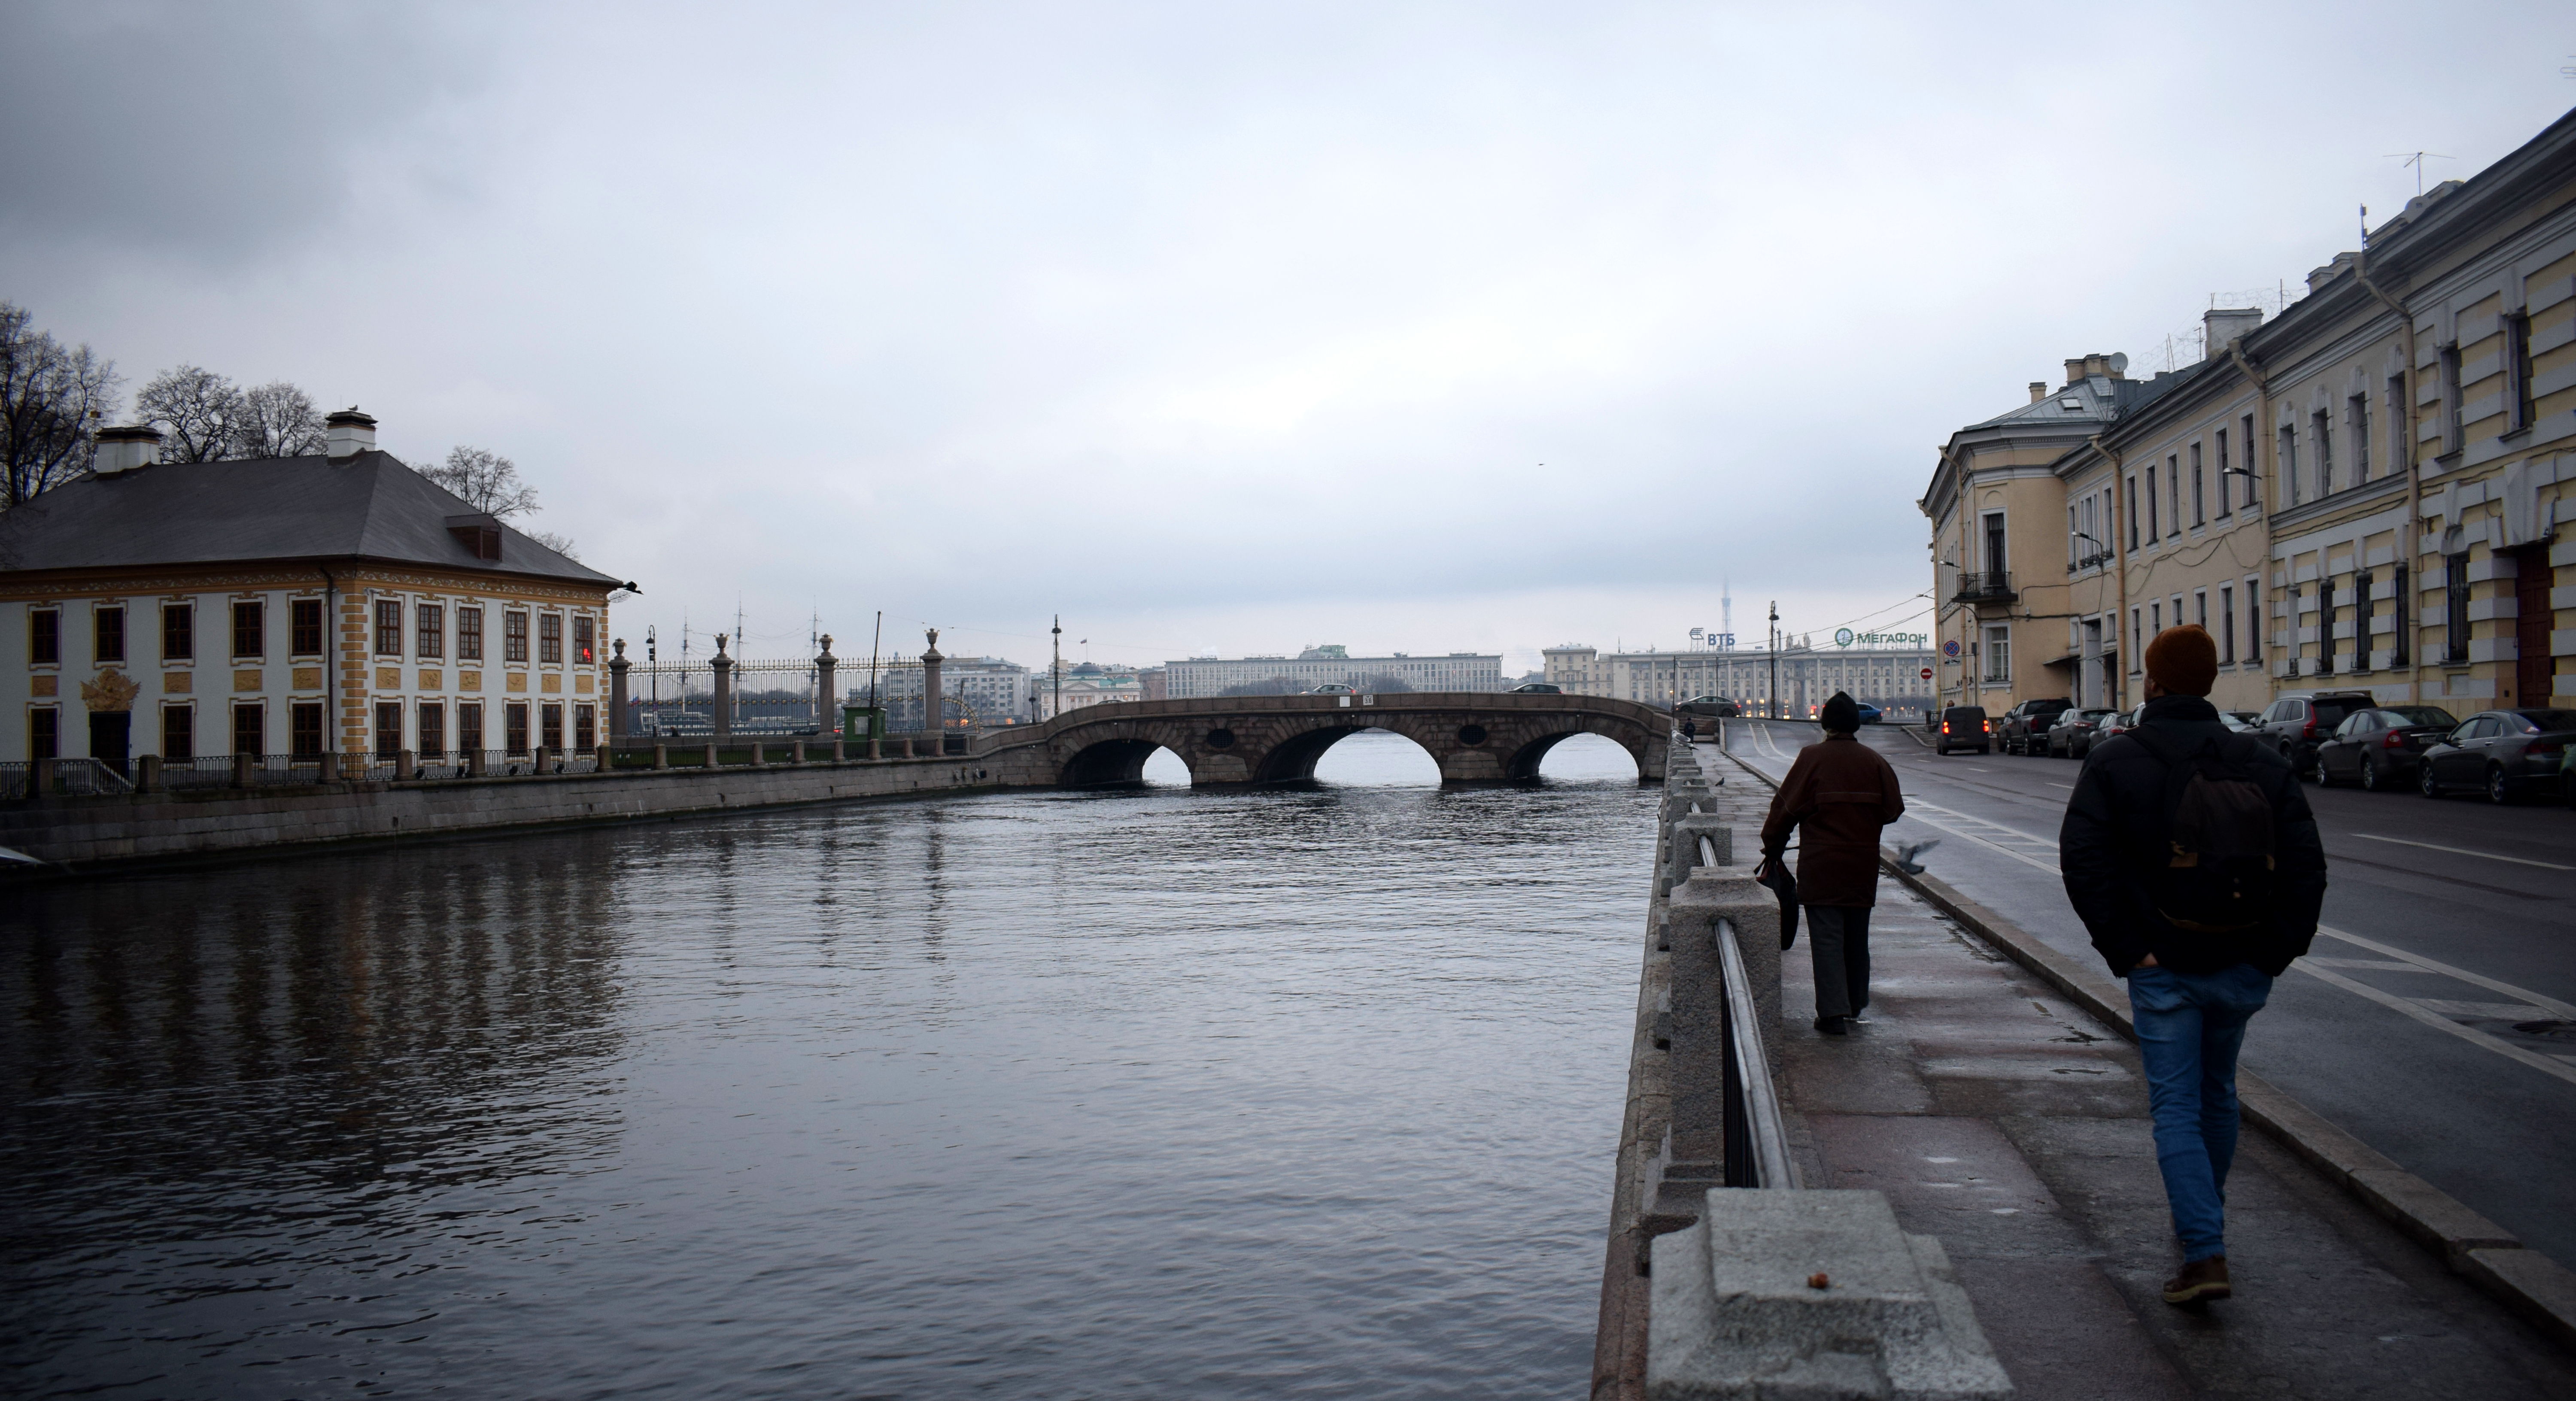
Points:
(1215, 328)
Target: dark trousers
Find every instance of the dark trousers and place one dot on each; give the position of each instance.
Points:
(1838, 945)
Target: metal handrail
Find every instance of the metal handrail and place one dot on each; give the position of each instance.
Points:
(1763, 1134)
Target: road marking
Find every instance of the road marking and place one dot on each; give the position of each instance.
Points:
(2463, 851)
(2069, 787)
(2412, 1007)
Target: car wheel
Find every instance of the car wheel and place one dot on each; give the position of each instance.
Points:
(2325, 776)
(2497, 792)
(2374, 776)
(2425, 783)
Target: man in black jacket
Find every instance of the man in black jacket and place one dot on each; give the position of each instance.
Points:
(2194, 980)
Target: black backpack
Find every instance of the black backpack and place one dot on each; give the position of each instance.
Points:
(2217, 873)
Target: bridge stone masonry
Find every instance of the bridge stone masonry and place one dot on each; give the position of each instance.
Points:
(1242, 741)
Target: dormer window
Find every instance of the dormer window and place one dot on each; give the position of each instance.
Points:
(479, 533)
(2070, 402)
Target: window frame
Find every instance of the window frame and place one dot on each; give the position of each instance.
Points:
(469, 632)
(44, 732)
(179, 731)
(178, 632)
(308, 732)
(514, 635)
(585, 640)
(429, 631)
(2227, 624)
(550, 639)
(389, 628)
(44, 637)
(256, 713)
(306, 622)
(2199, 490)
(107, 633)
(250, 624)
(388, 736)
(2455, 609)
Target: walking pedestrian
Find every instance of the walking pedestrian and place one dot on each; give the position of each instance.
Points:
(1838, 794)
(2190, 854)
(1690, 729)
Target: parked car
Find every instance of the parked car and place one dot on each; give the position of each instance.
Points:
(1707, 707)
(2118, 722)
(1334, 688)
(2296, 725)
(2502, 753)
(2027, 722)
(1538, 688)
(2381, 748)
(2072, 735)
(1868, 713)
(1963, 726)
(2240, 722)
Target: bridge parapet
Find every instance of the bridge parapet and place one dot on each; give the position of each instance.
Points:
(1475, 736)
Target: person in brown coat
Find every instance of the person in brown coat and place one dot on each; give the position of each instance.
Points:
(1838, 795)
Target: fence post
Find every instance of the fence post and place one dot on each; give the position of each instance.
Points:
(796, 751)
(617, 665)
(661, 754)
(537, 760)
(711, 754)
(1694, 1158)
(721, 716)
(45, 780)
(825, 700)
(328, 769)
(478, 763)
(907, 748)
(759, 755)
(604, 758)
(406, 765)
(147, 773)
(839, 751)
(876, 747)
(241, 769)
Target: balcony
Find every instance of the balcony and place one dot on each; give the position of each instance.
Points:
(1988, 586)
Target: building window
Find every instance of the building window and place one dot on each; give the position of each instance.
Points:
(178, 632)
(2401, 646)
(2199, 609)
(44, 637)
(2517, 369)
(2289, 443)
(2363, 608)
(2356, 412)
(179, 732)
(305, 723)
(2253, 469)
(433, 730)
(469, 634)
(2173, 495)
(2321, 431)
(514, 637)
(430, 621)
(2327, 611)
(2199, 491)
(2133, 512)
(583, 641)
(2451, 422)
(2254, 620)
(514, 728)
(107, 634)
(304, 627)
(550, 637)
(2455, 608)
(585, 728)
(1998, 652)
(44, 733)
(2224, 509)
(389, 627)
(250, 630)
(2153, 530)
(2226, 625)
(469, 726)
(250, 729)
(388, 729)
(550, 727)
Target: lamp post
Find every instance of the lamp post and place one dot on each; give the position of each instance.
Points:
(1055, 669)
(1773, 705)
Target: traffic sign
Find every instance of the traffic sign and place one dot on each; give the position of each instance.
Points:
(1927, 673)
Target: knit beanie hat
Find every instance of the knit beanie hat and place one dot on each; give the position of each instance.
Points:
(2183, 660)
(1842, 713)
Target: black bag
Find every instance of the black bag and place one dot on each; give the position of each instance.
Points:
(2217, 875)
(1774, 874)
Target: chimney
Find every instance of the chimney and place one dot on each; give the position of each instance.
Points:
(2038, 390)
(124, 449)
(2074, 369)
(2319, 277)
(2223, 325)
(348, 433)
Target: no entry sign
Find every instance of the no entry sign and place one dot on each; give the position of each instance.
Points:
(1927, 673)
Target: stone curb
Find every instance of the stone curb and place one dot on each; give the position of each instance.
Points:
(2530, 1283)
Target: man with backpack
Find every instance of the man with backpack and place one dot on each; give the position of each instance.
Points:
(2190, 854)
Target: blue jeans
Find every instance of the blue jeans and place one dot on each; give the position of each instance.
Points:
(2189, 1028)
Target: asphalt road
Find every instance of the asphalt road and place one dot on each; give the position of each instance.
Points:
(2447, 923)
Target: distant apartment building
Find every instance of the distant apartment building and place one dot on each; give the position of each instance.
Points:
(1885, 670)
(1085, 685)
(2369, 490)
(1196, 677)
(985, 690)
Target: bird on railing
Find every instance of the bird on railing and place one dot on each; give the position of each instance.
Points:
(1905, 856)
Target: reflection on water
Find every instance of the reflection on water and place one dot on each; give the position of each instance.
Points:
(1039, 1094)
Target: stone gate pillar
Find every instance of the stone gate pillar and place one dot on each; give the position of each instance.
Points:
(617, 666)
(931, 695)
(827, 699)
(723, 667)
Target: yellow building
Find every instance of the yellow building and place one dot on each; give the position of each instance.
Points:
(290, 607)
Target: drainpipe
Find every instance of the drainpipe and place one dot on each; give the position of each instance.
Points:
(2120, 557)
(2410, 540)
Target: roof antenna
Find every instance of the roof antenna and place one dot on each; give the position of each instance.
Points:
(2417, 159)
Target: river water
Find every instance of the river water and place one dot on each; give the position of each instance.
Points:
(1144, 1094)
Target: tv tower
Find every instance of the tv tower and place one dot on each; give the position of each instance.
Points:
(1726, 612)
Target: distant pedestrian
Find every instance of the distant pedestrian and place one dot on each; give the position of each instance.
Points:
(1837, 796)
(1690, 730)
(2191, 856)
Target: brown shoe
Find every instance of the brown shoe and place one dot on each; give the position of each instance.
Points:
(2199, 1282)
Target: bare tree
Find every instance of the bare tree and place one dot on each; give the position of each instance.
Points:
(52, 397)
(277, 420)
(198, 412)
(486, 481)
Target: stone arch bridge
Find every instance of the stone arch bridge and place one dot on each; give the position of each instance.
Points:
(1240, 741)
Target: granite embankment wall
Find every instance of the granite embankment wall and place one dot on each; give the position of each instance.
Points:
(89, 831)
